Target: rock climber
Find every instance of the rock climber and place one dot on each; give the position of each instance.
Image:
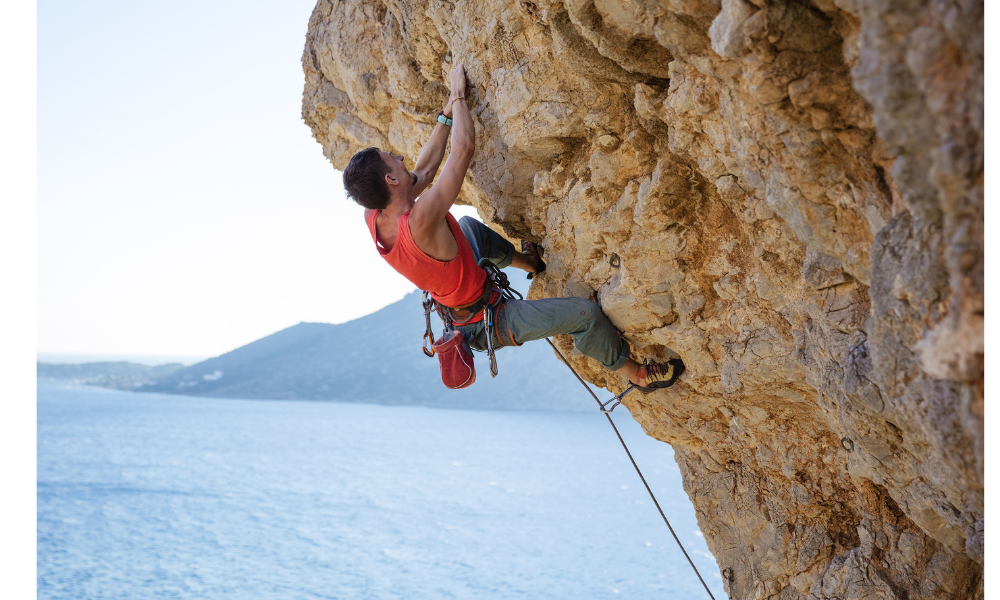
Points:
(420, 239)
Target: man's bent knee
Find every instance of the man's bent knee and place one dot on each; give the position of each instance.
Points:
(468, 227)
(589, 310)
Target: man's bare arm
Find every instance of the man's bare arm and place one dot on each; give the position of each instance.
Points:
(430, 158)
(427, 218)
(433, 151)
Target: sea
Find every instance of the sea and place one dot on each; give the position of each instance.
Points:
(162, 496)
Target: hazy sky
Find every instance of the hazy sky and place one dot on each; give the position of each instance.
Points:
(183, 206)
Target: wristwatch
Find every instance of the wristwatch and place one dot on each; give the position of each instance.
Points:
(444, 120)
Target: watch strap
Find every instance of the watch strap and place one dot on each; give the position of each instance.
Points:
(444, 120)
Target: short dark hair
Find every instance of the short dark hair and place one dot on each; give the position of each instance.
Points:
(364, 179)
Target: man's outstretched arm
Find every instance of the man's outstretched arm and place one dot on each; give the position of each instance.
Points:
(430, 156)
(433, 151)
(427, 218)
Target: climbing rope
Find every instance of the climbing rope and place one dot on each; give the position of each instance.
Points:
(607, 413)
(500, 281)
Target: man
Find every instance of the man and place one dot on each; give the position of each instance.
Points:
(424, 243)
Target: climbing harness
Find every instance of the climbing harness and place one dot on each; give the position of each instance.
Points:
(607, 413)
(498, 291)
(500, 282)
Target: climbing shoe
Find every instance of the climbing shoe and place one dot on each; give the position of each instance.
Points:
(533, 248)
(661, 375)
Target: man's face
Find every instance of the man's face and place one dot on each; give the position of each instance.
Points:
(398, 169)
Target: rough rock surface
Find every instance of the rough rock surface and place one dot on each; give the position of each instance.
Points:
(786, 193)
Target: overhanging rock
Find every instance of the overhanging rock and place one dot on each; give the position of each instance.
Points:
(787, 194)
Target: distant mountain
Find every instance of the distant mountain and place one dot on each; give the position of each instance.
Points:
(376, 359)
(119, 375)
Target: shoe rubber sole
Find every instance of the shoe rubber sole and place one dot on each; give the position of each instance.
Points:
(661, 385)
(538, 253)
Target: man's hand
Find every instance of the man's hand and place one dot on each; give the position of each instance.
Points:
(457, 88)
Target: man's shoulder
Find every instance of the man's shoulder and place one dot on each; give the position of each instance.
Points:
(426, 220)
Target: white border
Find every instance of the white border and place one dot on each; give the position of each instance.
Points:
(18, 169)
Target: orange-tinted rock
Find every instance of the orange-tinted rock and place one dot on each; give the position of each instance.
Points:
(794, 192)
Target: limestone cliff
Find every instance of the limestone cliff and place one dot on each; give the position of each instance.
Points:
(786, 193)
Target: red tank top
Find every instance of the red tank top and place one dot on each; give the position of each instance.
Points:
(456, 282)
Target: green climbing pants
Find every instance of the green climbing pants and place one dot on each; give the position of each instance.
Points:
(529, 320)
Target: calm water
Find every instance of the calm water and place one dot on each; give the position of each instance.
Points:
(146, 496)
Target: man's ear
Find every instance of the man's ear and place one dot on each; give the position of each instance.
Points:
(390, 180)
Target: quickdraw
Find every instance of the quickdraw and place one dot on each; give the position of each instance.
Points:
(428, 347)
